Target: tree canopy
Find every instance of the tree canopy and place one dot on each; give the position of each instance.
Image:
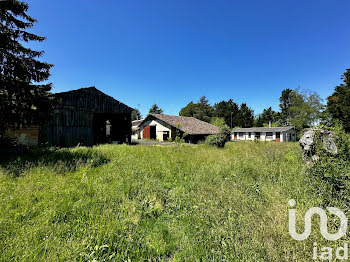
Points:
(338, 104)
(201, 110)
(229, 111)
(155, 109)
(267, 116)
(24, 99)
(226, 111)
(135, 115)
(300, 109)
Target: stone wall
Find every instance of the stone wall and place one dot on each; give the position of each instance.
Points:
(26, 136)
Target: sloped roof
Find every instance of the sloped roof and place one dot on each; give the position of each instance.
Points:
(92, 99)
(190, 125)
(137, 122)
(263, 129)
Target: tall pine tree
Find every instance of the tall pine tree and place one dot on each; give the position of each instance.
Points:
(24, 98)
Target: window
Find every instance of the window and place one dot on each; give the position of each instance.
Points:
(241, 134)
(269, 134)
(250, 134)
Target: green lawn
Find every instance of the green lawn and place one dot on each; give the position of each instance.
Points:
(194, 203)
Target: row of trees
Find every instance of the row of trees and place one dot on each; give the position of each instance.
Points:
(25, 97)
(298, 108)
(227, 112)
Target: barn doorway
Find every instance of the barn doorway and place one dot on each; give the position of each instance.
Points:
(110, 128)
(153, 132)
(100, 129)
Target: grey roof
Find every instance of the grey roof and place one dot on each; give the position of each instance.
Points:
(137, 122)
(191, 125)
(263, 129)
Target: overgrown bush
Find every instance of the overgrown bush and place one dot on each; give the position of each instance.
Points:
(333, 171)
(221, 138)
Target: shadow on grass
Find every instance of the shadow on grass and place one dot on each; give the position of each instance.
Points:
(60, 160)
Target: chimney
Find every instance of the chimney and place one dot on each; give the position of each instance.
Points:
(270, 124)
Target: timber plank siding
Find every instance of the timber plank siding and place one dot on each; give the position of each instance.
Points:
(80, 118)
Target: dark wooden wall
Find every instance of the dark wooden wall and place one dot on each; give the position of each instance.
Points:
(80, 118)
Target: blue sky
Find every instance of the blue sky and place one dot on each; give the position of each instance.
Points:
(172, 52)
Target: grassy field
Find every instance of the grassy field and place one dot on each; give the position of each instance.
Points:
(166, 203)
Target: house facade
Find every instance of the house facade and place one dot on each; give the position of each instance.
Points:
(165, 128)
(279, 134)
(135, 129)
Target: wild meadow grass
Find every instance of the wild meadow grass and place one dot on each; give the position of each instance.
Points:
(160, 203)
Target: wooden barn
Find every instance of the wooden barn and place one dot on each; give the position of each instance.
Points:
(88, 117)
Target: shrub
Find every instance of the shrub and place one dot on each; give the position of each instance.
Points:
(217, 140)
(226, 131)
(221, 138)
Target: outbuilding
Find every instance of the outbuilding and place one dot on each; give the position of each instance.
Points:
(279, 134)
(87, 116)
(165, 127)
(136, 129)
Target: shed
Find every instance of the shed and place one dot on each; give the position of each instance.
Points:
(164, 127)
(279, 134)
(87, 116)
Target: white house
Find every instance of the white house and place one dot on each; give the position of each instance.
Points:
(135, 134)
(165, 127)
(279, 134)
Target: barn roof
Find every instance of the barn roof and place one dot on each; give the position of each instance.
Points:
(190, 125)
(91, 99)
(263, 129)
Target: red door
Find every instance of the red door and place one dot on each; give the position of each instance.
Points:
(146, 132)
(278, 136)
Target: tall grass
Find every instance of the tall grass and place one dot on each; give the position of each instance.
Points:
(155, 203)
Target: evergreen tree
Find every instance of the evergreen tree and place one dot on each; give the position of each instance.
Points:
(135, 115)
(229, 111)
(155, 109)
(24, 99)
(338, 104)
(267, 116)
(285, 105)
(201, 110)
(246, 116)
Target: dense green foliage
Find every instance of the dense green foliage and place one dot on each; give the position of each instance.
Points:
(219, 140)
(266, 117)
(334, 171)
(155, 110)
(338, 104)
(217, 121)
(300, 109)
(229, 111)
(201, 110)
(23, 100)
(135, 115)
